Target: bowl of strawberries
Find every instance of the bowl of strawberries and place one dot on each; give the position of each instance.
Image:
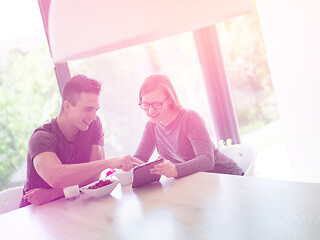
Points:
(100, 188)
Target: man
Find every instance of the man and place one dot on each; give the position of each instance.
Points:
(69, 150)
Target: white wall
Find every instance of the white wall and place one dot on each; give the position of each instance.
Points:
(292, 38)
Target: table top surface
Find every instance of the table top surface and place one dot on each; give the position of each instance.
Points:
(199, 206)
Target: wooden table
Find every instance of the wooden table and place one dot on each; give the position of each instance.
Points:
(200, 206)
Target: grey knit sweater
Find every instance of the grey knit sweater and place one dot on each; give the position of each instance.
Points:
(187, 144)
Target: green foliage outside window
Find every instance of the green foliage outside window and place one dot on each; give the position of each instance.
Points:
(29, 97)
(248, 72)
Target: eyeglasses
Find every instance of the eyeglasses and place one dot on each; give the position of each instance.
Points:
(155, 105)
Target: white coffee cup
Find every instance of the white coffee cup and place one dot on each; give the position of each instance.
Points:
(124, 177)
(71, 192)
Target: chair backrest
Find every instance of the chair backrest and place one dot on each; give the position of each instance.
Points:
(10, 199)
(243, 155)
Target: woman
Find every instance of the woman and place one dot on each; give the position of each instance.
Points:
(179, 134)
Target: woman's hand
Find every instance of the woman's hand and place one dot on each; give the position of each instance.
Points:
(166, 168)
(39, 196)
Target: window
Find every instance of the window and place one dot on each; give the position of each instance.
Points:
(122, 72)
(251, 86)
(28, 88)
(248, 73)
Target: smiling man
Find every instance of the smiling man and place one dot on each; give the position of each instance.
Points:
(69, 149)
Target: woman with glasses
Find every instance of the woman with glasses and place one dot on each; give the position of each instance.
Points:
(179, 135)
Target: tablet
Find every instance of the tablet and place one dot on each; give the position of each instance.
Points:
(142, 175)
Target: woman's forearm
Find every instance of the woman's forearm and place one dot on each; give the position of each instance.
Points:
(200, 163)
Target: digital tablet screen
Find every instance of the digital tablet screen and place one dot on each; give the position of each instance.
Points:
(142, 175)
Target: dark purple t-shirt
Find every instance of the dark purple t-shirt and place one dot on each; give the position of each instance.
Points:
(49, 138)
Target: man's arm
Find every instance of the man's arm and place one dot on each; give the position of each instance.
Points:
(58, 175)
(97, 153)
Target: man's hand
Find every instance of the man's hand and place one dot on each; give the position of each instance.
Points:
(136, 160)
(166, 168)
(124, 163)
(39, 196)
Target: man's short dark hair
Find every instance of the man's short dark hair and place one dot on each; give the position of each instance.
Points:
(77, 85)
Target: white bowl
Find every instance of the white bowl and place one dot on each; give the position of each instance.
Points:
(101, 191)
(124, 177)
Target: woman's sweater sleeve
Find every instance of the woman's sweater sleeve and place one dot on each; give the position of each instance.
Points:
(202, 145)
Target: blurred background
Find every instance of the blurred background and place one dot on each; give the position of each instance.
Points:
(30, 95)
